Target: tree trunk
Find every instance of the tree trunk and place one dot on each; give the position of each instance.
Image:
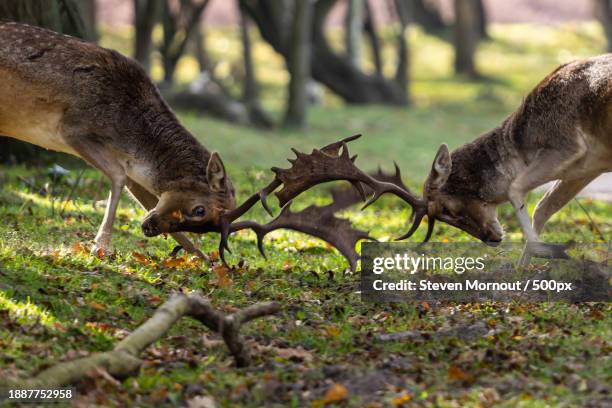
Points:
(87, 10)
(402, 74)
(427, 16)
(603, 14)
(354, 27)
(483, 32)
(145, 16)
(298, 64)
(465, 36)
(250, 91)
(198, 40)
(370, 30)
(178, 28)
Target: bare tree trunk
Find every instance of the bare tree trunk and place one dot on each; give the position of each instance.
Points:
(354, 28)
(178, 28)
(199, 48)
(603, 13)
(402, 74)
(483, 31)
(466, 36)
(145, 16)
(298, 64)
(250, 91)
(87, 10)
(426, 15)
(370, 29)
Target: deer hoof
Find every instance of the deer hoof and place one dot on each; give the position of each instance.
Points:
(99, 251)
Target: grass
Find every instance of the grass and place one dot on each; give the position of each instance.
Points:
(58, 302)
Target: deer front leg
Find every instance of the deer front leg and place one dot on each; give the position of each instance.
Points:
(149, 201)
(105, 160)
(103, 237)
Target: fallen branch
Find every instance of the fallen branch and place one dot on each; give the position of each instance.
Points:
(123, 360)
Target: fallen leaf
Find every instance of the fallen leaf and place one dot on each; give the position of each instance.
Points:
(214, 256)
(175, 262)
(401, 399)
(140, 258)
(78, 248)
(222, 279)
(335, 393)
(97, 306)
(456, 374)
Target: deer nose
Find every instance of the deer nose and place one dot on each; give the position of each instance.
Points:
(150, 227)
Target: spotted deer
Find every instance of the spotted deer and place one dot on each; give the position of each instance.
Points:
(72, 96)
(562, 132)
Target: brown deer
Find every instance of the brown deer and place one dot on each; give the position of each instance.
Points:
(562, 132)
(71, 96)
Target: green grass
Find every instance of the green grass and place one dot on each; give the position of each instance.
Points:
(57, 302)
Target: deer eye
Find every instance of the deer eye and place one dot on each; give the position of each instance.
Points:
(199, 211)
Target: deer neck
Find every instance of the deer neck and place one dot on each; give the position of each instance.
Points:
(170, 158)
(484, 168)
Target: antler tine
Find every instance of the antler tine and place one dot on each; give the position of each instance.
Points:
(228, 217)
(316, 221)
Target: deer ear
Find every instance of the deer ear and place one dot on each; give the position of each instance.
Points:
(441, 168)
(215, 173)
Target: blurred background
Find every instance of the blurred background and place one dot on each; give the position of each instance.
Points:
(251, 78)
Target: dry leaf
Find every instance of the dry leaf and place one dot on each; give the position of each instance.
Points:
(214, 256)
(78, 248)
(97, 306)
(456, 374)
(140, 258)
(175, 262)
(401, 399)
(335, 393)
(222, 280)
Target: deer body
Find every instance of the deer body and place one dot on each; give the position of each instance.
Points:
(68, 95)
(562, 132)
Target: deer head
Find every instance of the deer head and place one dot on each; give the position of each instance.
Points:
(194, 207)
(471, 214)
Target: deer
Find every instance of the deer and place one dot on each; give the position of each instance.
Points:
(71, 96)
(562, 132)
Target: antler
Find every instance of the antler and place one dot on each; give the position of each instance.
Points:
(317, 221)
(329, 163)
(345, 197)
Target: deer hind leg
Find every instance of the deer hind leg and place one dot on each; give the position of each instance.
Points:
(107, 162)
(149, 201)
(547, 166)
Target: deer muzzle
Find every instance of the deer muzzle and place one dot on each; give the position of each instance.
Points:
(150, 227)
